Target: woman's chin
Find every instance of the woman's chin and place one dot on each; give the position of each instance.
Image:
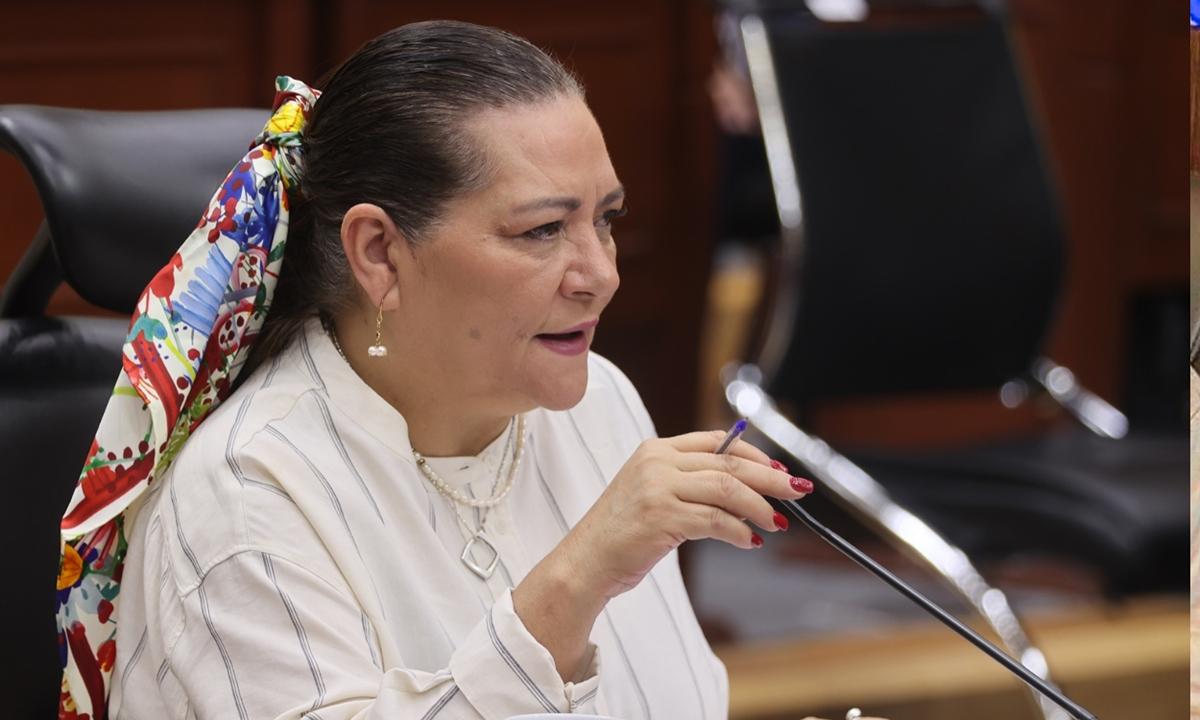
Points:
(564, 393)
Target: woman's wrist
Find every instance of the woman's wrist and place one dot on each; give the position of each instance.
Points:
(558, 606)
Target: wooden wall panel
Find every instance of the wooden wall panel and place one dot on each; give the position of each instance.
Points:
(1194, 114)
(1109, 77)
(1155, 163)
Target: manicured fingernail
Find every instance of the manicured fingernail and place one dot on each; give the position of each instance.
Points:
(779, 466)
(780, 521)
(799, 484)
(755, 540)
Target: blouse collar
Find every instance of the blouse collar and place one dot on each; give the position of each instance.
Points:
(354, 397)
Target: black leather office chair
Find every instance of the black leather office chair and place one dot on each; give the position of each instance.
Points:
(120, 191)
(930, 260)
(922, 252)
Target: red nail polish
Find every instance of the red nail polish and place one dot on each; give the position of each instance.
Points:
(779, 466)
(780, 521)
(801, 485)
(755, 540)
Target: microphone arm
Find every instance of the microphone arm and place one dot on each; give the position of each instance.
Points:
(853, 487)
(936, 610)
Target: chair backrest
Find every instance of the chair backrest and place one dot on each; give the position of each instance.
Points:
(120, 192)
(931, 249)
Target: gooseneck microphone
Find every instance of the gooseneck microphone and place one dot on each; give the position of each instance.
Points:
(937, 611)
(929, 606)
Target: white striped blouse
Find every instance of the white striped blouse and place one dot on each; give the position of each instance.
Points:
(294, 563)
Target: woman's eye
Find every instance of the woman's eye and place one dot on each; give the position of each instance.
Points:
(549, 231)
(606, 220)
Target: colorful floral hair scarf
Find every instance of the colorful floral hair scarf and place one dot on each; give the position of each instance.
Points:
(188, 339)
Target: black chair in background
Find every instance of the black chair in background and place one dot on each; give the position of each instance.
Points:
(120, 192)
(922, 252)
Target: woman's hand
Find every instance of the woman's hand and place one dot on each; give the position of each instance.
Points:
(670, 490)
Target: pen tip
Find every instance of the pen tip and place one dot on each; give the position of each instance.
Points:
(740, 426)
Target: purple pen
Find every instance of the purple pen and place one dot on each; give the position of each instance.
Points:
(734, 433)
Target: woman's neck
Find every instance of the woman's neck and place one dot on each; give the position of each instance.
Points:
(445, 436)
(439, 424)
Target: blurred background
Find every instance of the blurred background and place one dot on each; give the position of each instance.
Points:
(981, 187)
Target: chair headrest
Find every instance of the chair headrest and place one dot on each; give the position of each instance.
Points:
(122, 190)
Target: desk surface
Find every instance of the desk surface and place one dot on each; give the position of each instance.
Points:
(1118, 661)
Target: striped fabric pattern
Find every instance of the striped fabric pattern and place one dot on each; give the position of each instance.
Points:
(294, 564)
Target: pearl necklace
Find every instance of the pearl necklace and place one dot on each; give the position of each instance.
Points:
(478, 539)
(477, 536)
(460, 498)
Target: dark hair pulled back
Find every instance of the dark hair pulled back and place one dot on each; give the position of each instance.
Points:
(389, 130)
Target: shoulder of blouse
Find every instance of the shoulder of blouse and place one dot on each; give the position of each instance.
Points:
(213, 502)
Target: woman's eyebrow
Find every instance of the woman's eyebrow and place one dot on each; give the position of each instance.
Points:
(570, 204)
(613, 196)
(567, 203)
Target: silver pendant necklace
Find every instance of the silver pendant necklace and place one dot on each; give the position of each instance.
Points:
(468, 556)
(478, 541)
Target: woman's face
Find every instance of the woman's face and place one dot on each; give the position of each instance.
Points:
(501, 297)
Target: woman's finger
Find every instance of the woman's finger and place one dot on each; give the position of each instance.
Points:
(709, 440)
(765, 480)
(720, 489)
(706, 521)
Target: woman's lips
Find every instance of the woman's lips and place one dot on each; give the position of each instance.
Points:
(571, 343)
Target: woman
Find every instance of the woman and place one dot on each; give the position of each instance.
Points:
(424, 496)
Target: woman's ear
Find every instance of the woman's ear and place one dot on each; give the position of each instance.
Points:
(370, 240)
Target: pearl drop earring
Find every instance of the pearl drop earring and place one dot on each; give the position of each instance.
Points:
(378, 349)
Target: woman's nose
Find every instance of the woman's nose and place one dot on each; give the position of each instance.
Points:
(593, 273)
